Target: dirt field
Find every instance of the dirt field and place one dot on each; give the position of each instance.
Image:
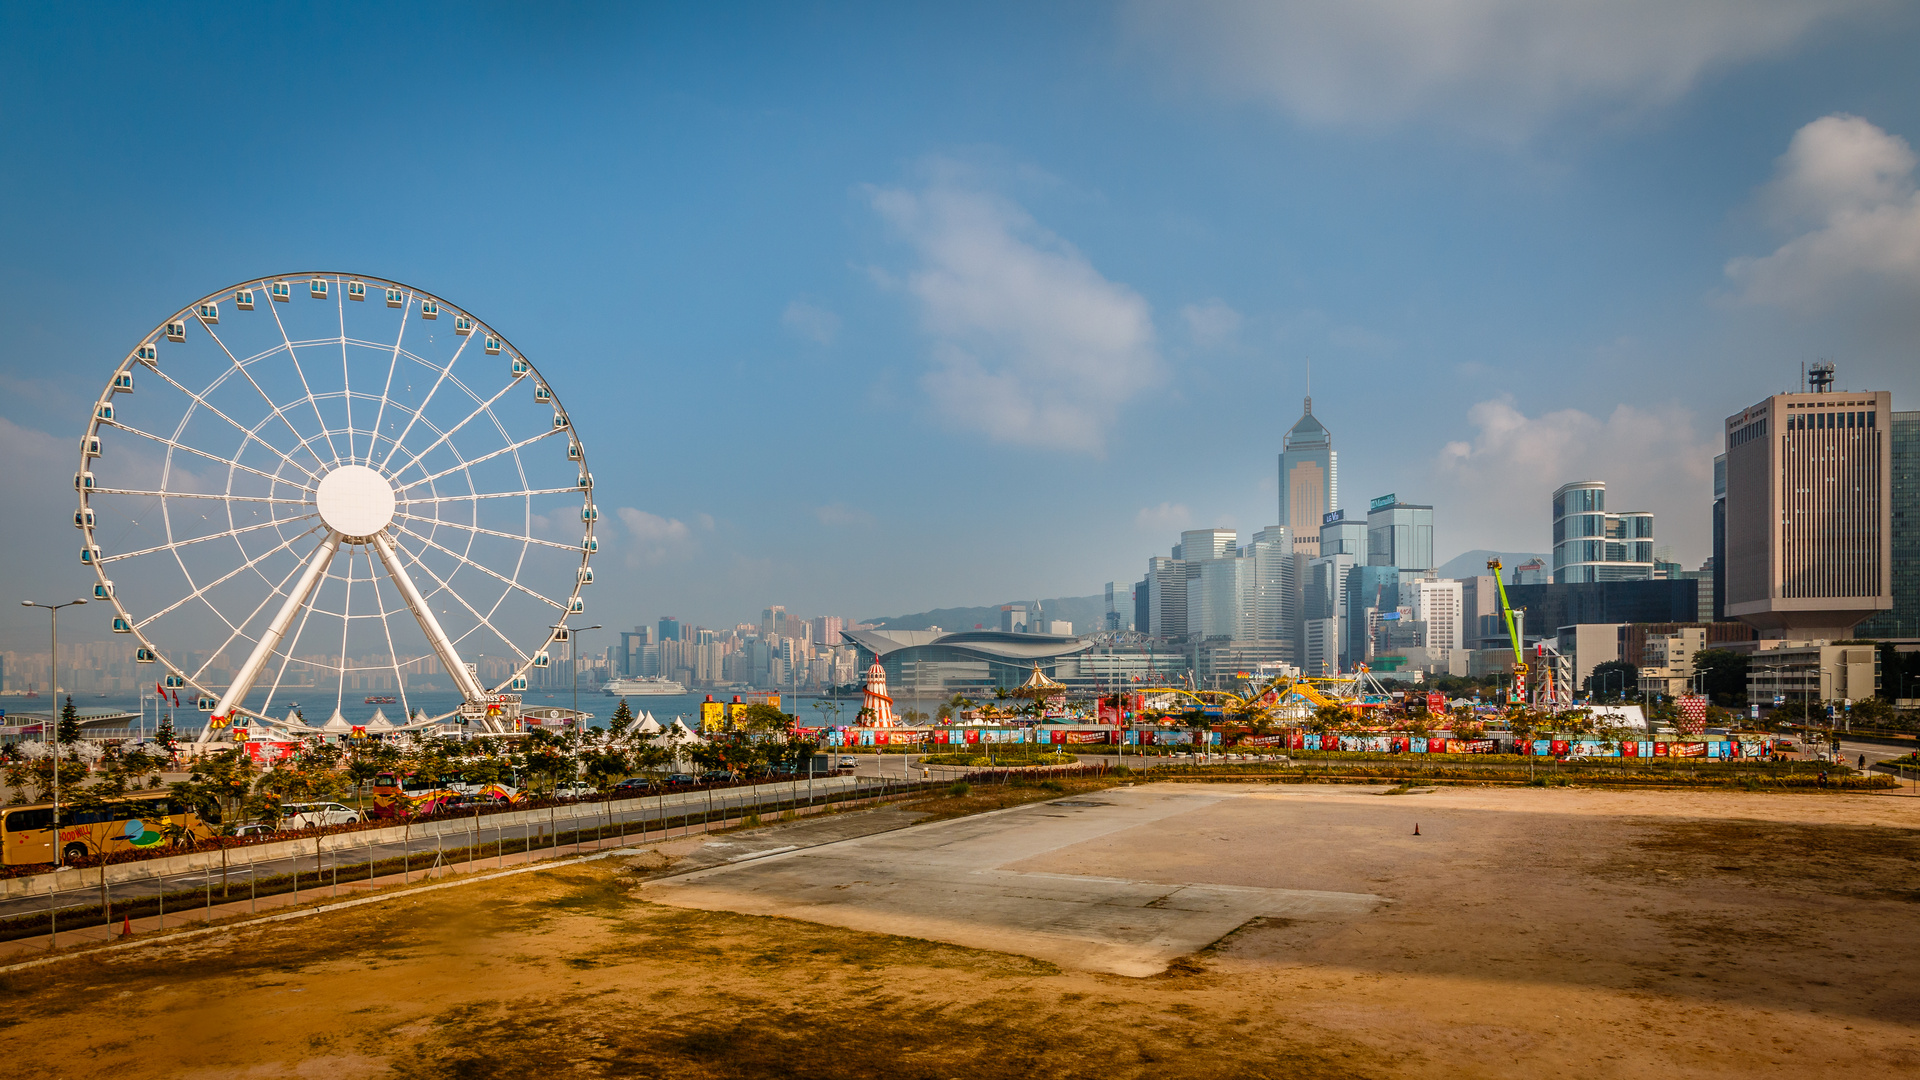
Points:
(1523, 933)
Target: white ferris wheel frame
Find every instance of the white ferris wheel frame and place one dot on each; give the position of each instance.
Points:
(479, 702)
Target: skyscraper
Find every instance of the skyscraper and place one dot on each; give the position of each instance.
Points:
(1903, 619)
(1309, 490)
(1591, 543)
(1720, 538)
(1309, 480)
(1809, 522)
(1399, 534)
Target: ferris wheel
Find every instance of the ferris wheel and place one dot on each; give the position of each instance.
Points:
(315, 484)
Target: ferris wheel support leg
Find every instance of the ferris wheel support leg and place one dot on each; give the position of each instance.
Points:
(242, 684)
(469, 685)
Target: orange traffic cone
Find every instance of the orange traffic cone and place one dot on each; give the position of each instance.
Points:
(126, 926)
(1416, 828)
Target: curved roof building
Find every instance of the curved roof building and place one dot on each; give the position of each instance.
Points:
(931, 664)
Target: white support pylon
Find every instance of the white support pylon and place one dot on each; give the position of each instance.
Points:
(469, 685)
(242, 684)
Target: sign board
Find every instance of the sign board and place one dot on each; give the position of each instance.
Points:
(1382, 503)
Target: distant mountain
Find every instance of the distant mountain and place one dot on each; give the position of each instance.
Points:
(1084, 612)
(1474, 563)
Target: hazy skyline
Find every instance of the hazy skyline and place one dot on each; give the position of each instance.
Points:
(874, 310)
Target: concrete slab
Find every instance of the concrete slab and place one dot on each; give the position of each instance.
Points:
(949, 881)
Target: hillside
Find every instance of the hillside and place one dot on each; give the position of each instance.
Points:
(1084, 612)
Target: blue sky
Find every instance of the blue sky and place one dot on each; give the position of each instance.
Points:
(871, 309)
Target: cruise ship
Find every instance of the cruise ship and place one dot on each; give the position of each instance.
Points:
(649, 686)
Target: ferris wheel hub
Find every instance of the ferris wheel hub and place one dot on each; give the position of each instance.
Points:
(355, 501)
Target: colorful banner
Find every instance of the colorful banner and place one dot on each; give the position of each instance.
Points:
(1436, 703)
(1086, 736)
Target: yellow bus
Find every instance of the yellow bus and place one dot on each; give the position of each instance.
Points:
(131, 824)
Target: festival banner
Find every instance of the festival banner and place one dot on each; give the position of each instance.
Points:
(1086, 736)
(1630, 748)
(1262, 740)
(1129, 738)
(1688, 749)
(1471, 746)
(1558, 747)
(866, 737)
(1311, 741)
(1436, 703)
(973, 735)
(1661, 749)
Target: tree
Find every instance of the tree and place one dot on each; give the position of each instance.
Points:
(622, 719)
(914, 716)
(1613, 680)
(762, 717)
(69, 729)
(1723, 675)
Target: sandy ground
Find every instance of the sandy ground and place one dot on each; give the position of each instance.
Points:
(1523, 933)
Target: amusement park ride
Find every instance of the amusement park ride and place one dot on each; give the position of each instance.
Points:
(306, 480)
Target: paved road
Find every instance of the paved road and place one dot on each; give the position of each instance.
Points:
(610, 817)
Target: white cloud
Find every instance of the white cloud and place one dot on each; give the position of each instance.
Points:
(1211, 323)
(1500, 68)
(810, 322)
(1031, 343)
(656, 539)
(840, 515)
(1850, 187)
(1168, 517)
(1496, 487)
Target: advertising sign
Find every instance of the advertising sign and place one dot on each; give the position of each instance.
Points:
(973, 735)
(1086, 736)
(713, 715)
(1436, 703)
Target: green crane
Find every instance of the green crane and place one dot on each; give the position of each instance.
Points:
(1517, 695)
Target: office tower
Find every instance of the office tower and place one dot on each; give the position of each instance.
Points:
(1903, 619)
(1309, 480)
(1531, 572)
(1370, 589)
(1340, 535)
(1809, 522)
(1719, 538)
(1592, 544)
(669, 629)
(1439, 605)
(1167, 598)
(1215, 595)
(1119, 608)
(1272, 589)
(1309, 490)
(773, 622)
(1142, 623)
(1197, 544)
(1479, 609)
(1013, 618)
(1324, 598)
(826, 629)
(1399, 534)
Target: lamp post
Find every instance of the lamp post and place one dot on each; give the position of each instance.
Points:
(53, 665)
(573, 661)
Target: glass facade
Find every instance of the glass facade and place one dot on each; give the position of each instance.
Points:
(1591, 544)
(1903, 619)
(1400, 534)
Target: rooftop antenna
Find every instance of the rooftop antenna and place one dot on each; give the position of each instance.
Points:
(1821, 376)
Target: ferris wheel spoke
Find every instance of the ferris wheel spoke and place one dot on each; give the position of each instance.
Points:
(386, 393)
(490, 495)
(277, 411)
(393, 654)
(104, 559)
(311, 572)
(420, 409)
(229, 576)
(487, 570)
(508, 449)
(346, 388)
(486, 408)
(441, 585)
(515, 537)
(219, 496)
(469, 685)
(294, 358)
(203, 403)
(183, 447)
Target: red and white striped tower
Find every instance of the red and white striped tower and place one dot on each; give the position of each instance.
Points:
(874, 700)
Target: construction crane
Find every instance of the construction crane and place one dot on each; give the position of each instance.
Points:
(1517, 695)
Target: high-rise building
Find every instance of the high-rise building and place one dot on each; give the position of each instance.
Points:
(1809, 511)
(1309, 490)
(1197, 544)
(1719, 558)
(1013, 618)
(1273, 588)
(1438, 604)
(1370, 590)
(1903, 619)
(1215, 598)
(669, 628)
(1399, 534)
(1340, 535)
(1591, 543)
(1325, 602)
(826, 629)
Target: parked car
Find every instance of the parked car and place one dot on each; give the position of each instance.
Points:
(309, 815)
(574, 789)
(681, 779)
(848, 761)
(634, 785)
(466, 803)
(717, 776)
(256, 829)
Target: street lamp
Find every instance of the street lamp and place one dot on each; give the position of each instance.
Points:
(53, 663)
(573, 655)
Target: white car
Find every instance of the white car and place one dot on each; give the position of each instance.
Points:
(848, 761)
(574, 789)
(309, 815)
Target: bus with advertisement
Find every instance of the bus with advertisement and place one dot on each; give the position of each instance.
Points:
(140, 822)
(397, 795)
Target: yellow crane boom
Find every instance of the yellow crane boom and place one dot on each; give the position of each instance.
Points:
(1518, 694)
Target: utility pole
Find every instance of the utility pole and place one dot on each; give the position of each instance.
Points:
(53, 718)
